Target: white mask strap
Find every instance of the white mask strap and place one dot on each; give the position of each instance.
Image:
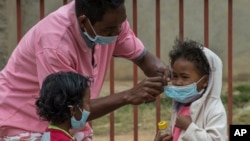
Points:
(200, 79)
(92, 27)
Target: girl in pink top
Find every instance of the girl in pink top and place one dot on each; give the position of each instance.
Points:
(198, 113)
(64, 103)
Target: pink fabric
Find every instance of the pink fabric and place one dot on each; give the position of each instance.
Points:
(84, 134)
(58, 135)
(177, 131)
(27, 136)
(54, 44)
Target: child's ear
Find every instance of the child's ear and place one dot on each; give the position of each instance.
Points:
(72, 110)
(205, 84)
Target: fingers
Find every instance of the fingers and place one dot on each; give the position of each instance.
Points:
(146, 90)
(165, 73)
(148, 98)
(165, 137)
(154, 79)
(153, 82)
(153, 86)
(158, 137)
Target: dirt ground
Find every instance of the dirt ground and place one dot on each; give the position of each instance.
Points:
(142, 136)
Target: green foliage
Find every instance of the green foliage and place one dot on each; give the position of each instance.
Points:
(241, 104)
(124, 118)
(241, 95)
(243, 88)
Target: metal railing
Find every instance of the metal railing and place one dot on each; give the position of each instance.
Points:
(157, 51)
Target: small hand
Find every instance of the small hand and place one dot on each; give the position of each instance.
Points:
(165, 137)
(183, 121)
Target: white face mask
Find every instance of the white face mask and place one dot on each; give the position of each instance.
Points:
(98, 38)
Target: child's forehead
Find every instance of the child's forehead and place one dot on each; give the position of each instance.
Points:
(183, 62)
(183, 65)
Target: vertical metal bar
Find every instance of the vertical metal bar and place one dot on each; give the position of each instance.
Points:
(206, 23)
(19, 20)
(230, 62)
(158, 54)
(41, 9)
(111, 115)
(181, 19)
(135, 107)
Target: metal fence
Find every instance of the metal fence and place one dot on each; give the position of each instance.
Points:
(157, 50)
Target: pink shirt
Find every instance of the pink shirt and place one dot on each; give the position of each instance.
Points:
(54, 44)
(185, 110)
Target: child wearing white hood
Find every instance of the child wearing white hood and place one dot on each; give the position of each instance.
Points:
(198, 113)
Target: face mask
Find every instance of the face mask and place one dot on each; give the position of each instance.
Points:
(183, 94)
(100, 39)
(80, 123)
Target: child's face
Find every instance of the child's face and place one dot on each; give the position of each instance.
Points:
(86, 100)
(85, 106)
(185, 72)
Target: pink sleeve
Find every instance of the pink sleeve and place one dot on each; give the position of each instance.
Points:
(128, 45)
(49, 61)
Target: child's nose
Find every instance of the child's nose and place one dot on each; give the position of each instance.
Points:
(177, 82)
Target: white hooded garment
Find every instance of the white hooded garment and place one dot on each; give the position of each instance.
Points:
(209, 119)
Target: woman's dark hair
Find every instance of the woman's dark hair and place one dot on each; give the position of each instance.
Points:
(59, 90)
(191, 51)
(95, 9)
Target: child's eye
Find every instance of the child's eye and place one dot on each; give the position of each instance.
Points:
(185, 77)
(174, 77)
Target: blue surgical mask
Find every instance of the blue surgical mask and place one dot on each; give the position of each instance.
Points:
(183, 94)
(80, 123)
(100, 39)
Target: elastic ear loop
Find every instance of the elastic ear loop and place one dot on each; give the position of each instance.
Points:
(80, 109)
(91, 28)
(200, 79)
(71, 106)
